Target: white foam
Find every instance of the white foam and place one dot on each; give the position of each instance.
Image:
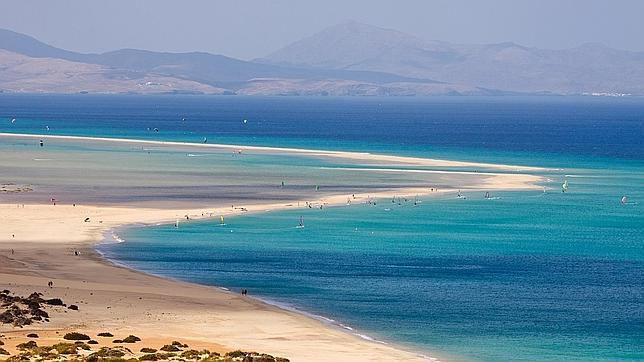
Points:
(117, 238)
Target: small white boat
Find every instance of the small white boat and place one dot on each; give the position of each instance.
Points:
(624, 200)
(564, 186)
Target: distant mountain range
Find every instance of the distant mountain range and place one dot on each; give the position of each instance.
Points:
(347, 59)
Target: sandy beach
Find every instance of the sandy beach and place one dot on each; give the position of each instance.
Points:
(39, 240)
(354, 156)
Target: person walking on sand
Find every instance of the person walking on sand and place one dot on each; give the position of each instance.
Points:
(50, 284)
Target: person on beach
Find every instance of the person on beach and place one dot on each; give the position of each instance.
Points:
(50, 284)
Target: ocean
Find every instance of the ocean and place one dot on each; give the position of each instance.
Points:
(531, 275)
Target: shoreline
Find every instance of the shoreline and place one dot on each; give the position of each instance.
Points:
(322, 324)
(338, 325)
(351, 155)
(272, 303)
(51, 232)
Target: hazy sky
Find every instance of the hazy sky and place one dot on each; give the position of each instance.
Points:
(248, 29)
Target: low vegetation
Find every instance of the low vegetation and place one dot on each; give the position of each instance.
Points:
(179, 344)
(170, 348)
(81, 351)
(131, 339)
(75, 336)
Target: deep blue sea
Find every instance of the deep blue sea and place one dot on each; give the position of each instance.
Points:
(528, 276)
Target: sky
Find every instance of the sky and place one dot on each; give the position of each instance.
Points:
(249, 29)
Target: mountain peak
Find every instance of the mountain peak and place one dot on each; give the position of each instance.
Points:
(340, 46)
(26, 45)
(356, 26)
(508, 66)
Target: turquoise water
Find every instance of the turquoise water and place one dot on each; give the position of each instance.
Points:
(527, 276)
(524, 276)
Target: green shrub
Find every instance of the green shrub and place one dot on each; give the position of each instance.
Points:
(170, 348)
(149, 357)
(131, 339)
(27, 345)
(179, 344)
(75, 336)
(65, 348)
(105, 334)
(191, 354)
(108, 352)
(236, 353)
(157, 357)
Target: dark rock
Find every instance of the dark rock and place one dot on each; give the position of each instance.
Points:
(54, 301)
